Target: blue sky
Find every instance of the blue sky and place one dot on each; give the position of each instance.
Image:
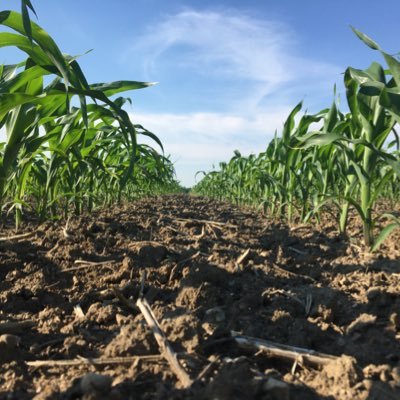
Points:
(229, 72)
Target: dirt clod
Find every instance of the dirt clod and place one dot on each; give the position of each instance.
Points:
(206, 268)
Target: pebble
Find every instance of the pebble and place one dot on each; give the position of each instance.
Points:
(10, 341)
(9, 348)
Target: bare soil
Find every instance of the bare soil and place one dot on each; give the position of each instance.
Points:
(210, 269)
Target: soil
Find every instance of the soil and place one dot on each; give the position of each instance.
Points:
(207, 269)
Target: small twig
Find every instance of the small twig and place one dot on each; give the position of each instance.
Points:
(192, 257)
(50, 252)
(165, 348)
(242, 258)
(94, 263)
(202, 234)
(283, 351)
(50, 343)
(144, 243)
(88, 264)
(171, 228)
(308, 304)
(204, 221)
(79, 312)
(92, 361)
(286, 294)
(298, 227)
(127, 303)
(207, 369)
(65, 230)
(302, 253)
(17, 237)
(15, 327)
(180, 263)
(290, 273)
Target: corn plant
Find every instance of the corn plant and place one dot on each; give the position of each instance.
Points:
(349, 162)
(70, 144)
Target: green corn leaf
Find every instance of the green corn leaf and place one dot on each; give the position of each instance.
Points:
(19, 81)
(367, 40)
(385, 232)
(380, 187)
(317, 138)
(15, 21)
(390, 99)
(289, 123)
(28, 4)
(394, 66)
(110, 89)
(142, 131)
(25, 4)
(8, 39)
(356, 205)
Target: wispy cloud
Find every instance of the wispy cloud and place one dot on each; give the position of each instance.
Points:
(253, 58)
(197, 141)
(236, 77)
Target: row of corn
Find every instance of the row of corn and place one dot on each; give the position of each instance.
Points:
(70, 145)
(331, 160)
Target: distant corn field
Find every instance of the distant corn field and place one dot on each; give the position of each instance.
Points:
(351, 161)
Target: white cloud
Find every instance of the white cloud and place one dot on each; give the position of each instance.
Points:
(262, 54)
(249, 71)
(197, 141)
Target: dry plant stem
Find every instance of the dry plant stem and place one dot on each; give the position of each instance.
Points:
(299, 227)
(242, 257)
(65, 231)
(180, 264)
(145, 242)
(92, 361)
(302, 253)
(15, 327)
(290, 273)
(207, 370)
(203, 221)
(127, 303)
(17, 237)
(283, 351)
(192, 257)
(88, 264)
(165, 348)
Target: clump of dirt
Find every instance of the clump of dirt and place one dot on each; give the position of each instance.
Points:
(70, 327)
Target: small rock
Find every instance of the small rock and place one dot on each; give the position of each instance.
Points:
(121, 319)
(10, 341)
(9, 348)
(395, 320)
(396, 375)
(127, 263)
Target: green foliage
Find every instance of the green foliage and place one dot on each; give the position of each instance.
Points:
(69, 144)
(349, 161)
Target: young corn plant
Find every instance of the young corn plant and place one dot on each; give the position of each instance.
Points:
(57, 156)
(348, 162)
